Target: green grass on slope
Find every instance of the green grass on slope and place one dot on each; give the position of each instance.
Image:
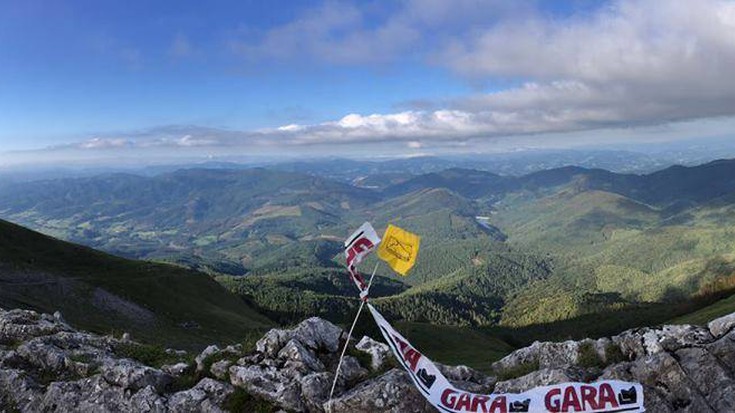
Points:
(155, 302)
(455, 345)
(720, 308)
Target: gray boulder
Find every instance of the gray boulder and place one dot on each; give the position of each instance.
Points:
(392, 392)
(722, 325)
(379, 352)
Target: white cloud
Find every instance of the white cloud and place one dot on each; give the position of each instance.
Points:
(104, 143)
(628, 64)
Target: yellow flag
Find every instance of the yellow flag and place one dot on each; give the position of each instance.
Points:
(399, 249)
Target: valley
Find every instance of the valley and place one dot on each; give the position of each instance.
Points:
(561, 253)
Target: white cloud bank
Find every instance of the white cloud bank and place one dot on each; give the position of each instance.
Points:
(631, 63)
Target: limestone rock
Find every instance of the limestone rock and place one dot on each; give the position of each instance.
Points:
(207, 397)
(199, 360)
(176, 370)
(46, 365)
(392, 392)
(268, 383)
(221, 369)
(128, 374)
(722, 325)
(300, 357)
(379, 352)
(537, 378)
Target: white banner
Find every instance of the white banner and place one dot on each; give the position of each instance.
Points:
(604, 396)
(361, 243)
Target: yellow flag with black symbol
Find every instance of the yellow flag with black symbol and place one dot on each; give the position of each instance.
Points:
(399, 249)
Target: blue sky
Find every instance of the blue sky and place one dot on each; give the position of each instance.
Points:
(411, 75)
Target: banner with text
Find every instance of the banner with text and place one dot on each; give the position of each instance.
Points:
(604, 396)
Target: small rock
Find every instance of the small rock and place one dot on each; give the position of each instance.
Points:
(58, 317)
(273, 341)
(722, 325)
(270, 384)
(537, 378)
(351, 370)
(392, 392)
(220, 369)
(379, 352)
(176, 370)
(175, 352)
(318, 334)
(131, 375)
(203, 356)
(300, 357)
(315, 389)
(206, 397)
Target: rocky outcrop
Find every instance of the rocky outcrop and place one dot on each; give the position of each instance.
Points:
(682, 368)
(46, 365)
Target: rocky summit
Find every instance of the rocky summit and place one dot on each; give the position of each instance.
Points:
(48, 366)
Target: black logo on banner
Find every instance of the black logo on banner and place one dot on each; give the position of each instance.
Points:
(520, 407)
(426, 378)
(628, 396)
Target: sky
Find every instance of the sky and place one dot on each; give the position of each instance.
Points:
(98, 80)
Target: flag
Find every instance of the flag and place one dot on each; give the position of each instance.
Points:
(361, 243)
(399, 249)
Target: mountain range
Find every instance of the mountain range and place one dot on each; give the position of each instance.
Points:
(516, 256)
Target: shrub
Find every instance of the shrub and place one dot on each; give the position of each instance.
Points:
(613, 354)
(587, 356)
(241, 401)
(517, 371)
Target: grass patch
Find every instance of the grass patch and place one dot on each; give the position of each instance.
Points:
(705, 315)
(217, 357)
(186, 381)
(150, 355)
(587, 356)
(456, 345)
(241, 401)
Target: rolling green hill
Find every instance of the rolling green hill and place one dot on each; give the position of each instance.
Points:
(154, 302)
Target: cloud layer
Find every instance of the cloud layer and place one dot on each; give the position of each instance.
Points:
(627, 64)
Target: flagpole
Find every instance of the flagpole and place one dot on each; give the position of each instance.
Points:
(349, 335)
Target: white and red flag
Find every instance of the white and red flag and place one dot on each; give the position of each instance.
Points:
(359, 245)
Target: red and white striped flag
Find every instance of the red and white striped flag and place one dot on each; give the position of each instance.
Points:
(359, 245)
